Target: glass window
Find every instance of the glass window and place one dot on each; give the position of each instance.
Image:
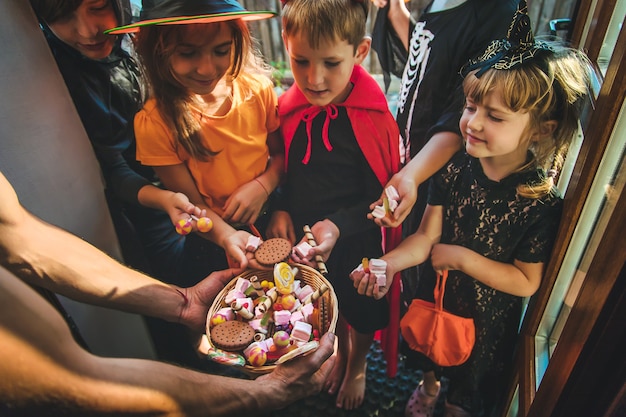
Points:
(608, 183)
(615, 26)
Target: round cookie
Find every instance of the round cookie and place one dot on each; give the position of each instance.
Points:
(232, 335)
(273, 251)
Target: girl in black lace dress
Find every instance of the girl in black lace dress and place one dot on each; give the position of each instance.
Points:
(493, 210)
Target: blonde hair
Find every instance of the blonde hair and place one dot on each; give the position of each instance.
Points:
(325, 20)
(550, 86)
(156, 44)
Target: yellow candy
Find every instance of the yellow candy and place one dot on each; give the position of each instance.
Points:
(257, 357)
(217, 319)
(183, 227)
(283, 277)
(386, 206)
(281, 339)
(288, 301)
(204, 224)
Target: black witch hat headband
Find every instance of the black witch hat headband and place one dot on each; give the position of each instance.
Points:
(518, 47)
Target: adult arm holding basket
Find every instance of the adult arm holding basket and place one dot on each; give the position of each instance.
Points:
(40, 353)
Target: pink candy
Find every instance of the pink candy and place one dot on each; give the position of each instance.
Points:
(183, 227)
(257, 356)
(281, 339)
(253, 243)
(302, 249)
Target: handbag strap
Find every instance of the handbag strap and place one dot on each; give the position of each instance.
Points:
(440, 289)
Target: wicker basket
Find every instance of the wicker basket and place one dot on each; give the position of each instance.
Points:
(328, 312)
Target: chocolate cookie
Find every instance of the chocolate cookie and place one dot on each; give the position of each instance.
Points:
(232, 335)
(273, 251)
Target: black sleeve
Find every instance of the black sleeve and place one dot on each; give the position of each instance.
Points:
(389, 48)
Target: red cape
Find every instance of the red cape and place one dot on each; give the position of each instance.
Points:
(377, 134)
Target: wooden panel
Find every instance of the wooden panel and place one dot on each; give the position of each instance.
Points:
(580, 21)
(599, 25)
(597, 382)
(598, 127)
(569, 359)
(597, 134)
(47, 157)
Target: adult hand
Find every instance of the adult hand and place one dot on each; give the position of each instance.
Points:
(302, 376)
(200, 297)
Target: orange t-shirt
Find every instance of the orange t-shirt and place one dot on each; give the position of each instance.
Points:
(240, 136)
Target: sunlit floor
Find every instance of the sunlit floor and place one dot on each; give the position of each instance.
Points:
(384, 397)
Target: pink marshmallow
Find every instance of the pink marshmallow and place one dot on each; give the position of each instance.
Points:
(241, 285)
(304, 292)
(392, 193)
(232, 296)
(301, 331)
(282, 317)
(253, 243)
(378, 267)
(297, 316)
(379, 212)
(307, 312)
(227, 313)
(257, 326)
(302, 249)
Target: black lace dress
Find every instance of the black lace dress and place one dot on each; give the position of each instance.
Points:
(491, 219)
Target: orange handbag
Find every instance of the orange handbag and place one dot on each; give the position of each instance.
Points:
(445, 338)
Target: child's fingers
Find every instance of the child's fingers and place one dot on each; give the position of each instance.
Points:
(365, 285)
(229, 210)
(378, 202)
(379, 292)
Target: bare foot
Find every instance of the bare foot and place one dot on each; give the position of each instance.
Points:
(352, 389)
(336, 375)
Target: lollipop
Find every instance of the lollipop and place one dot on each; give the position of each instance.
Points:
(228, 358)
(204, 224)
(281, 339)
(283, 277)
(257, 356)
(183, 227)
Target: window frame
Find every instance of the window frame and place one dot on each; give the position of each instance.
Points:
(591, 21)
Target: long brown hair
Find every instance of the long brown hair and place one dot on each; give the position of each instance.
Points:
(155, 45)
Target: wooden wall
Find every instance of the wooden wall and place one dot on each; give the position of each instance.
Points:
(46, 155)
